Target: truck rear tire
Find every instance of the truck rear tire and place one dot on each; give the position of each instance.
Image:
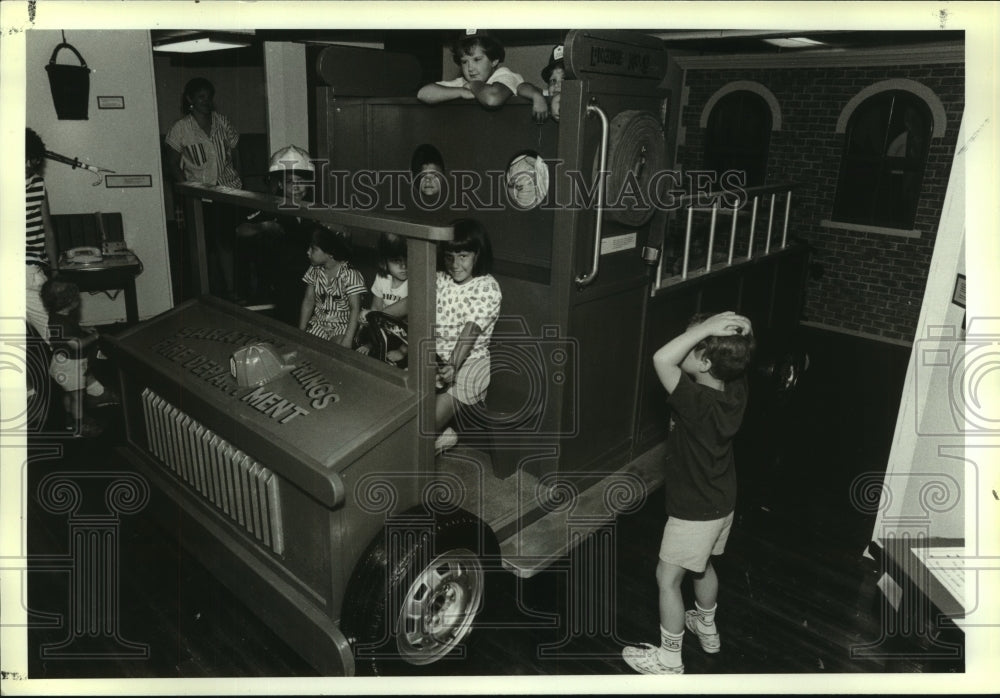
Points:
(412, 600)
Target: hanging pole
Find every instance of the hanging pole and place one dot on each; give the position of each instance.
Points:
(75, 163)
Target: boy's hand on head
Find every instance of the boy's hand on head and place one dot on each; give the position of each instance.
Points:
(727, 323)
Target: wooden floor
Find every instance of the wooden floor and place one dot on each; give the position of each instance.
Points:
(797, 595)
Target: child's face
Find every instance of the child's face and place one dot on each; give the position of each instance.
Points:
(33, 166)
(555, 81)
(72, 307)
(460, 265)
(397, 269)
(430, 180)
(477, 65)
(296, 187)
(317, 257)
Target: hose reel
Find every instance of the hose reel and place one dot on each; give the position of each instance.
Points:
(636, 151)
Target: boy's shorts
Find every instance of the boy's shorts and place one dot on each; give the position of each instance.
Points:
(70, 374)
(689, 544)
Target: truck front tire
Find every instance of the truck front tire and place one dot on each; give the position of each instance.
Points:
(415, 593)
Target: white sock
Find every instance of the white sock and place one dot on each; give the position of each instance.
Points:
(706, 616)
(670, 647)
(95, 389)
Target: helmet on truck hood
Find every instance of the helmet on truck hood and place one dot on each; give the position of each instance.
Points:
(258, 363)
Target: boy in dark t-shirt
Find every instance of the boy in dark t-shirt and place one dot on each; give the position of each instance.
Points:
(703, 372)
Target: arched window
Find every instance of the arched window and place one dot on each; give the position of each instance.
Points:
(738, 135)
(882, 166)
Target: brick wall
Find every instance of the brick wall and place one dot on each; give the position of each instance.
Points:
(870, 283)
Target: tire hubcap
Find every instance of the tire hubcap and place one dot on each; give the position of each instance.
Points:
(439, 607)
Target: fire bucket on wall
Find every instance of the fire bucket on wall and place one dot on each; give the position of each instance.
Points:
(70, 85)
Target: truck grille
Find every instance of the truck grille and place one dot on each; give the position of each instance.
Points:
(233, 482)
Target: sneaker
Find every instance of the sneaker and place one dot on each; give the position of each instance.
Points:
(710, 642)
(446, 440)
(645, 659)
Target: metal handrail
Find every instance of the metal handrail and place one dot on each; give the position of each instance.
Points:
(588, 278)
(688, 200)
(754, 194)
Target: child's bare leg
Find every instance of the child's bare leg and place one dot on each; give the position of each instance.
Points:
(73, 404)
(706, 587)
(668, 578)
(701, 621)
(444, 411)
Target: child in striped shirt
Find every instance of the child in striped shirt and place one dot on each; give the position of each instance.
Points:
(331, 307)
(39, 239)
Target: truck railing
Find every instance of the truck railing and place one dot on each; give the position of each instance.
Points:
(745, 241)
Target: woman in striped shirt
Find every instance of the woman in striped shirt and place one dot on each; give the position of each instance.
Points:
(39, 240)
(202, 149)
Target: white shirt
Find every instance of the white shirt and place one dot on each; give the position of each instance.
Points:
(382, 288)
(504, 75)
(477, 300)
(206, 158)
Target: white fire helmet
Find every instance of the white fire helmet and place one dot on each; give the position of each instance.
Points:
(259, 363)
(291, 157)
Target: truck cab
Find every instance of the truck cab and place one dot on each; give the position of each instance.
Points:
(305, 473)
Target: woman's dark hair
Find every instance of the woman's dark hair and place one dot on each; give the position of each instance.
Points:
(58, 294)
(730, 355)
(333, 243)
(34, 147)
(425, 154)
(195, 85)
(470, 236)
(491, 47)
(389, 247)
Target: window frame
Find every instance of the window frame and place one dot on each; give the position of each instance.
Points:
(714, 154)
(886, 172)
